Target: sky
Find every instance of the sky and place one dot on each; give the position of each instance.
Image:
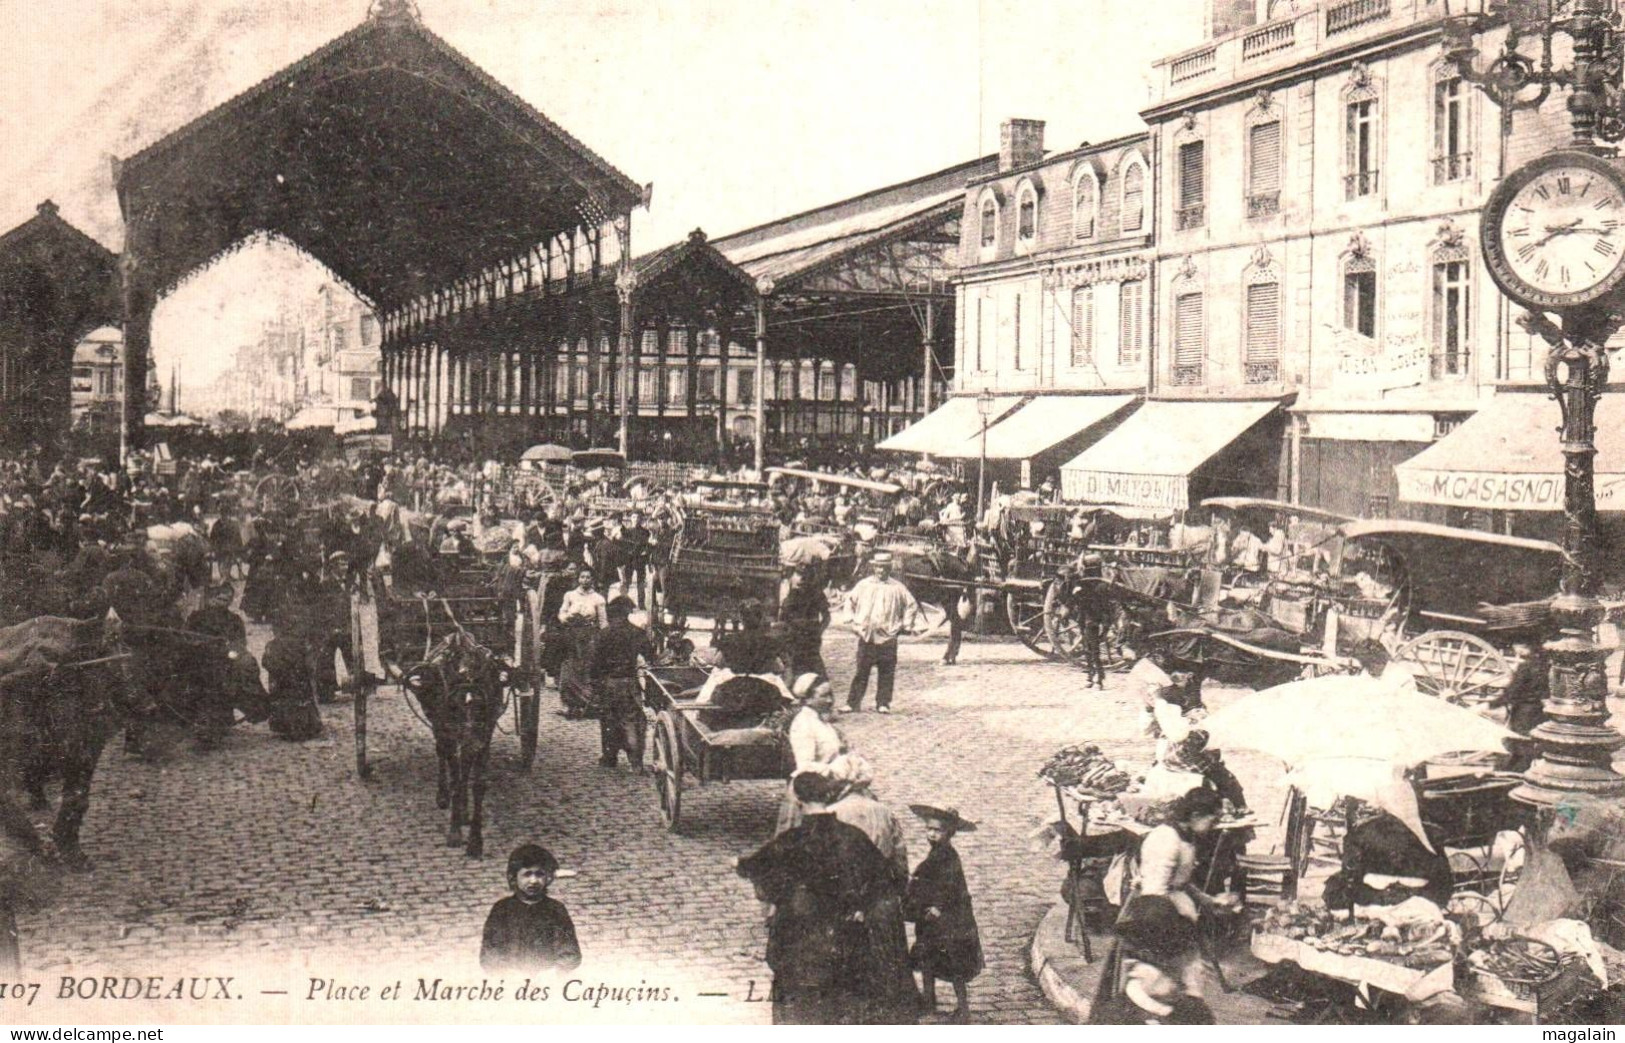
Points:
(739, 111)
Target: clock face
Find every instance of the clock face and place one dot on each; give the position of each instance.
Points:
(1557, 234)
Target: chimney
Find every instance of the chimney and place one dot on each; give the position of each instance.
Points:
(1021, 143)
(1226, 16)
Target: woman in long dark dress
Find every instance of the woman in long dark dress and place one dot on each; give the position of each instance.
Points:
(947, 944)
(837, 956)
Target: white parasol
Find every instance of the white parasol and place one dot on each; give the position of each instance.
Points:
(1350, 717)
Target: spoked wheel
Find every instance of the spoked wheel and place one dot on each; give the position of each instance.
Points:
(668, 772)
(1024, 609)
(1065, 632)
(1061, 626)
(277, 492)
(1455, 666)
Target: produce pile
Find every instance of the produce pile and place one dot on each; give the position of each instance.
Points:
(1415, 945)
(1086, 769)
(1519, 960)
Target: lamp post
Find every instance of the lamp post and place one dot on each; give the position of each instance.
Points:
(984, 408)
(1576, 744)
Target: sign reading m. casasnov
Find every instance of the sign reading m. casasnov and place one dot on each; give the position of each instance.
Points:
(1489, 489)
(1130, 490)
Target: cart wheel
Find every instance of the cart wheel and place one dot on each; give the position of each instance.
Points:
(1456, 666)
(1024, 609)
(1061, 627)
(530, 715)
(668, 767)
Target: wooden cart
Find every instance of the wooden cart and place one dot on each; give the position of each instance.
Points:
(686, 742)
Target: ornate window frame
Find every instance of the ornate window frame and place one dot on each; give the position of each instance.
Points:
(1362, 87)
(1360, 257)
(1194, 215)
(1086, 172)
(1131, 160)
(1186, 281)
(1450, 245)
(1458, 166)
(1264, 111)
(1261, 270)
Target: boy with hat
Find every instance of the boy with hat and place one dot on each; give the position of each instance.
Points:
(947, 943)
(528, 931)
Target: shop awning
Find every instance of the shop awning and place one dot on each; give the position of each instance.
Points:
(1044, 422)
(1147, 460)
(946, 428)
(1507, 457)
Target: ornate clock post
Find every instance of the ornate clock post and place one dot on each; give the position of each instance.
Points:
(1552, 235)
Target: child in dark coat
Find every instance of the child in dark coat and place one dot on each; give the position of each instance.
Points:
(947, 944)
(528, 931)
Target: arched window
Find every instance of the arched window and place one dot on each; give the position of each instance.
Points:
(990, 222)
(1133, 219)
(1085, 202)
(1027, 214)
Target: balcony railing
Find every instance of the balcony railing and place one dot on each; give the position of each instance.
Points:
(1277, 36)
(1363, 183)
(1264, 204)
(1190, 216)
(1186, 376)
(1351, 14)
(1452, 168)
(1197, 63)
(1263, 372)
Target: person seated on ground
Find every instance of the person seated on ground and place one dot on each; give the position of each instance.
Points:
(1525, 696)
(1158, 945)
(815, 744)
(1384, 863)
(753, 648)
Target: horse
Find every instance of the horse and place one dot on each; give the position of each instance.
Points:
(934, 575)
(64, 691)
(462, 690)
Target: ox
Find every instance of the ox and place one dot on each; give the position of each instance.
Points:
(462, 689)
(63, 694)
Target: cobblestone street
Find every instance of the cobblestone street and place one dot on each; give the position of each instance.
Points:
(271, 860)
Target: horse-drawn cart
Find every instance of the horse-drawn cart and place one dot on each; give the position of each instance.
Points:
(468, 601)
(701, 742)
(722, 556)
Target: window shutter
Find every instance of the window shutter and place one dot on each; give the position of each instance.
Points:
(1083, 326)
(1188, 330)
(1191, 184)
(1083, 211)
(1128, 322)
(1134, 198)
(1264, 322)
(1265, 149)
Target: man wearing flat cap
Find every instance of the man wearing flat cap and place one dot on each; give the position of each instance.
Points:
(882, 609)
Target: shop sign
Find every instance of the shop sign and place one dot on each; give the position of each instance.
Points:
(1131, 490)
(1368, 366)
(1488, 489)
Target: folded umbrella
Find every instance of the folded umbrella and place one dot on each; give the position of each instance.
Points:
(1359, 717)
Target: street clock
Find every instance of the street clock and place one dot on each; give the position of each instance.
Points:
(1553, 231)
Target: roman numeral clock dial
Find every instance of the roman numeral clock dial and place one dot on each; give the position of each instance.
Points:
(1554, 231)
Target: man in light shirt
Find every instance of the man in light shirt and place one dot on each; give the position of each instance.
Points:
(881, 609)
